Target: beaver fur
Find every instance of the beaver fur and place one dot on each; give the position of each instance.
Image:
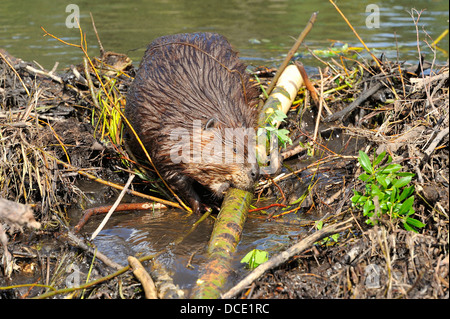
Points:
(189, 89)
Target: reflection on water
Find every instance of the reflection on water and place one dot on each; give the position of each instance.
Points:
(261, 30)
(145, 233)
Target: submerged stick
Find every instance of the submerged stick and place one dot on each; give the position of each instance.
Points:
(222, 245)
(113, 208)
(285, 255)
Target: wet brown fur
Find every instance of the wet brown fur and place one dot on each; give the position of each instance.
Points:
(185, 78)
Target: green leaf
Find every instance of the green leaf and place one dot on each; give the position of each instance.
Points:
(375, 191)
(379, 158)
(365, 162)
(255, 258)
(368, 208)
(364, 177)
(409, 228)
(406, 193)
(283, 136)
(414, 222)
(406, 206)
(335, 237)
(356, 198)
(392, 168)
(393, 194)
(381, 178)
(404, 174)
(402, 181)
(279, 115)
(319, 224)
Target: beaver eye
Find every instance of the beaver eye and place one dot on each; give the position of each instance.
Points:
(210, 124)
(234, 150)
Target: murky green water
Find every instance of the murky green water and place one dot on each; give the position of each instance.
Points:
(261, 30)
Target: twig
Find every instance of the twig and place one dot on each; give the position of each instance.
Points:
(105, 220)
(436, 141)
(15, 72)
(307, 82)
(122, 207)
(75, 241)
(292, 51)
(102, 51)
(284, 256)
(113, 185)
(356, 33)
(54, 77)
(294, 151)
(319, 113)
(341, 115)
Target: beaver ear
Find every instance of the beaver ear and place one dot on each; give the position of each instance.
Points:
(212, 123)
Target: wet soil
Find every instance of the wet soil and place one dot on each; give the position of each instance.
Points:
(47, 119)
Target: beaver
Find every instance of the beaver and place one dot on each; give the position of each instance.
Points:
(192, 105)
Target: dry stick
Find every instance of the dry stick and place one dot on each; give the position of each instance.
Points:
(436, 141)
(319, 113)
(102, 51)
(105, 220)
(74, 240)
(15, 72)
(292, 51)
(285, 255)
(341, 115)
(90, 84)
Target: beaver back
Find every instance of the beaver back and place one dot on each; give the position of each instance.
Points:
(185, 79)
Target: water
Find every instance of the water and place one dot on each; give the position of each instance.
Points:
(261, 30)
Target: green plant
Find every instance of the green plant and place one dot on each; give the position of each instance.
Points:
(281, 134)
(255, 258)
(327, 240)
(386, 192)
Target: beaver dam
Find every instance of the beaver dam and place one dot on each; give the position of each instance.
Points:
(377, 158)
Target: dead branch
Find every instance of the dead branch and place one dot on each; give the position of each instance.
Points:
(285, 255)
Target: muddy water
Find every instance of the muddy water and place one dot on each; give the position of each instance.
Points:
(147, 232)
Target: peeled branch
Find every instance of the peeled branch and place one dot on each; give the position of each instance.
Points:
(280, 99)
(222, 245)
